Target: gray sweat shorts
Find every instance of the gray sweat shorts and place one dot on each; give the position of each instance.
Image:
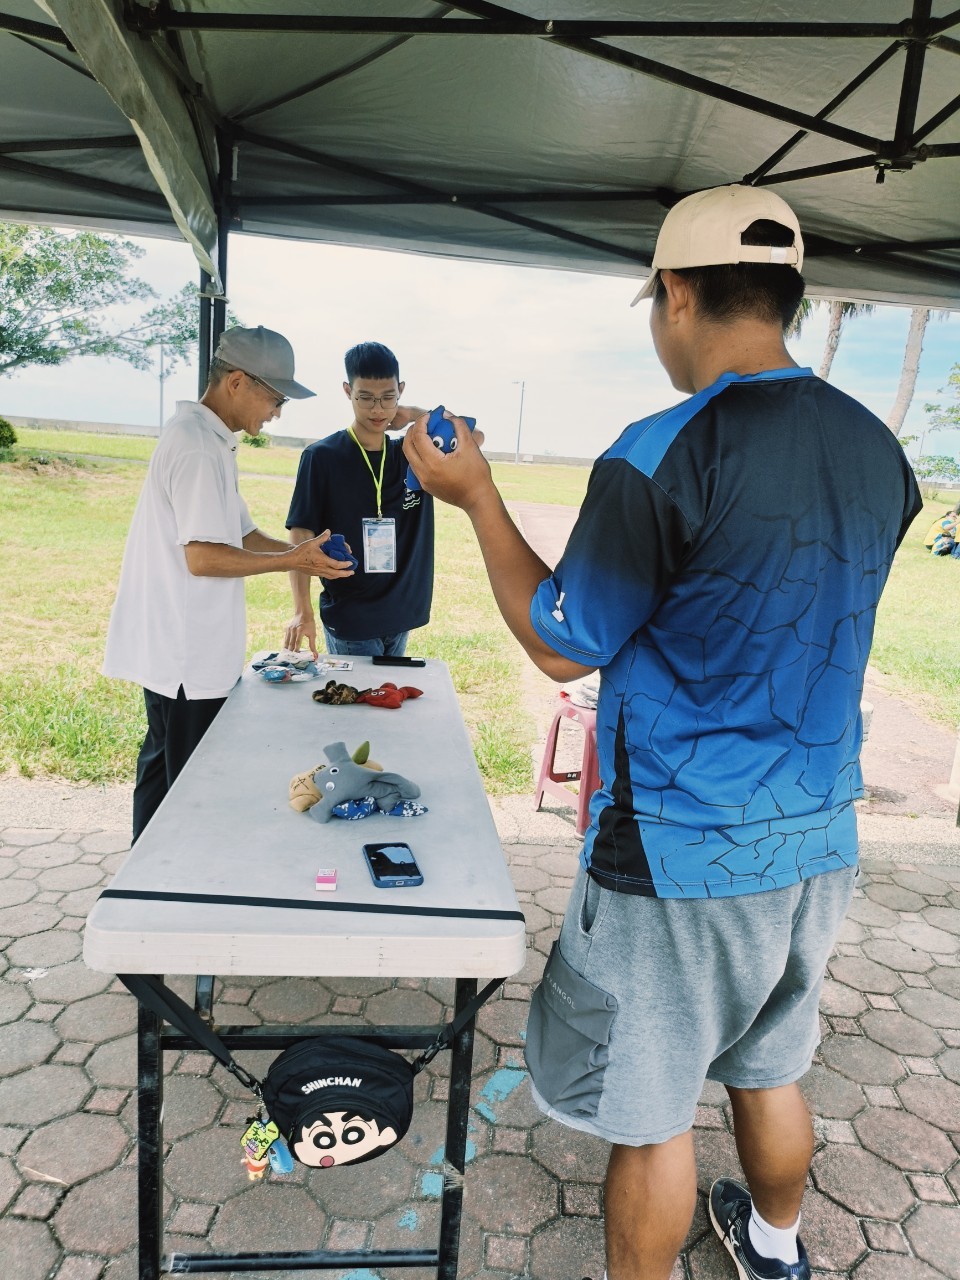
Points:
(643, 999)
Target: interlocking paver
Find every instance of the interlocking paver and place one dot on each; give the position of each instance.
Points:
(10, 1182)
(828, 1093)
(28, 1249)
(858, 1058)
(271, 1216)
(74, 1147)
(865, 975)
(44, 950)
(863, 1183)
(99, 1216)
(934, 1233)
(831, 1234)
(890, 1267)
(904, 1140)
(42, 1094)
(900, 1033)
(931, 1006)
(885, 1092)
(841, 1000)
(933, 1099)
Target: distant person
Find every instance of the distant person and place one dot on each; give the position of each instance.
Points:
(354, 483)
(942, 538)
(724, 584)
(178, 625)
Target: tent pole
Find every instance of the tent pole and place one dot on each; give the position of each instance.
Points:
(226, 152)
(203, 339)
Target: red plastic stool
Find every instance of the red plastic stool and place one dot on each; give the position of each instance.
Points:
(588, 775)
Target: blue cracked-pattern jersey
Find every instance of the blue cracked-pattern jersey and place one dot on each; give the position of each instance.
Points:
(724, 574)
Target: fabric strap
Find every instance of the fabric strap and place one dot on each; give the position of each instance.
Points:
(157, 996)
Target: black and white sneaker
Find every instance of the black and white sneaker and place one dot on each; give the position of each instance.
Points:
(730, 1207)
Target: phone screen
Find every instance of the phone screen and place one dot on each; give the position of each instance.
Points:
(392, 864)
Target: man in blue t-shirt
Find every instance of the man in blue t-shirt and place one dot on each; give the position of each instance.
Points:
(723, 575)
(353, 483)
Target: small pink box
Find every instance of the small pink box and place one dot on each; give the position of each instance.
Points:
(327, 878)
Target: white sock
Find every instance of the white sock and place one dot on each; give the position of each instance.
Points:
(773, 1242)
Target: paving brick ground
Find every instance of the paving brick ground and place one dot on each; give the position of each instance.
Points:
(884, 1195)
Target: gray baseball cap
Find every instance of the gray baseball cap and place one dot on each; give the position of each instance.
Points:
(264, 354)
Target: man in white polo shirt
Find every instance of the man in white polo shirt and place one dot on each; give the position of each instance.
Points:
(178, 626)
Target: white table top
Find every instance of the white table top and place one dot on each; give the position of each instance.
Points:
(226, 829)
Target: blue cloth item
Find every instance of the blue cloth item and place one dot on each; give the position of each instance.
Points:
(353, 810)
(724, 574)
(334, 490)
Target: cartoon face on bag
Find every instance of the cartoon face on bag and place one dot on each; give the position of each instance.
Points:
(341, 1137)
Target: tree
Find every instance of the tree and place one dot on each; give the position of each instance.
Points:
(840, 312)
(57, 292)
(935, 470)
(919, 318)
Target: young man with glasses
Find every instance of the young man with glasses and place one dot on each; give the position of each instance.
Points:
(178, 626)
(354, 483)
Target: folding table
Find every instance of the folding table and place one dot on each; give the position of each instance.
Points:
(222, 882)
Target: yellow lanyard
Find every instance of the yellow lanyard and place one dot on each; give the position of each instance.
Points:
(377, 483)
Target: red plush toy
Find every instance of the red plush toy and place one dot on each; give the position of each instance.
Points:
(389, 696)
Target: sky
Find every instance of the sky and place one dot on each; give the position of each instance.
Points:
(470, 336)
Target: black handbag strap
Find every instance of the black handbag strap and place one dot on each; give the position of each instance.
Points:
(157, 996)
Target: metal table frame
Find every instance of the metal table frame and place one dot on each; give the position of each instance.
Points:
(154, 1038)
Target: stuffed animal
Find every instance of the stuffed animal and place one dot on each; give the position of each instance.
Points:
(387, 696)
(343, 780)
(303, 789)
(441, 432)
(337, 549)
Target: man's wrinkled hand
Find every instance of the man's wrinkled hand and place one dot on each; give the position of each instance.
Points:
(302, 626)
(311, 559)
(459, 477)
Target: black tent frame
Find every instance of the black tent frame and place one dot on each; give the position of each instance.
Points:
(916, 38)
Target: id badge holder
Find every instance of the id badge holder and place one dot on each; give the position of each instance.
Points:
(380, 545)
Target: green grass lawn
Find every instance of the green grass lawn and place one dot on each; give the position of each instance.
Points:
(62, 532)
(524, 483)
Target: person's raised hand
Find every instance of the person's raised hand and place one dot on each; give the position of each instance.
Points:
(459, 477)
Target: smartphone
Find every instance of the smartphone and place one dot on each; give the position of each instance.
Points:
(384, 660)
(392, 865)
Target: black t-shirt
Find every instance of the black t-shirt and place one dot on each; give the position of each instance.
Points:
(336, 491)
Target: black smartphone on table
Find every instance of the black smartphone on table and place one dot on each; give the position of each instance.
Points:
(384, 660)
(392, 865)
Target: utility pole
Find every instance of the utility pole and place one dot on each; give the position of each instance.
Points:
(516, 457)
(162, 377)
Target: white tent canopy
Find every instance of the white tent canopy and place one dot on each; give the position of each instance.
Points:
(553, 134)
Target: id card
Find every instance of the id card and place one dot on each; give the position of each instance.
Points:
(380, 545)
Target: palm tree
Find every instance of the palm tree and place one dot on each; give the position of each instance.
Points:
(919, 318)
(840, 312)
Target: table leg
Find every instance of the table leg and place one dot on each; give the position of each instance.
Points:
(150, 1141)
(458, 1119)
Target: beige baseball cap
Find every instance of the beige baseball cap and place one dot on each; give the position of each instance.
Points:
(265, 354)
(704, 230)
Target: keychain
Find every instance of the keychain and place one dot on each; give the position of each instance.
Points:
(256, 1142)
(281, 1161)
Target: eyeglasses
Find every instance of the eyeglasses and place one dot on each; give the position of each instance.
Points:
(388, 400)
(281, 400)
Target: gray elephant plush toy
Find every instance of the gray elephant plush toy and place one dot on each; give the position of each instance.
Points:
(343, 779)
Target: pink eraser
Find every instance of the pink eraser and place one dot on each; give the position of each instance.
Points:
(327, 878)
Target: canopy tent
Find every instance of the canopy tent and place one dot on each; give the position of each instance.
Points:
(553, 134)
